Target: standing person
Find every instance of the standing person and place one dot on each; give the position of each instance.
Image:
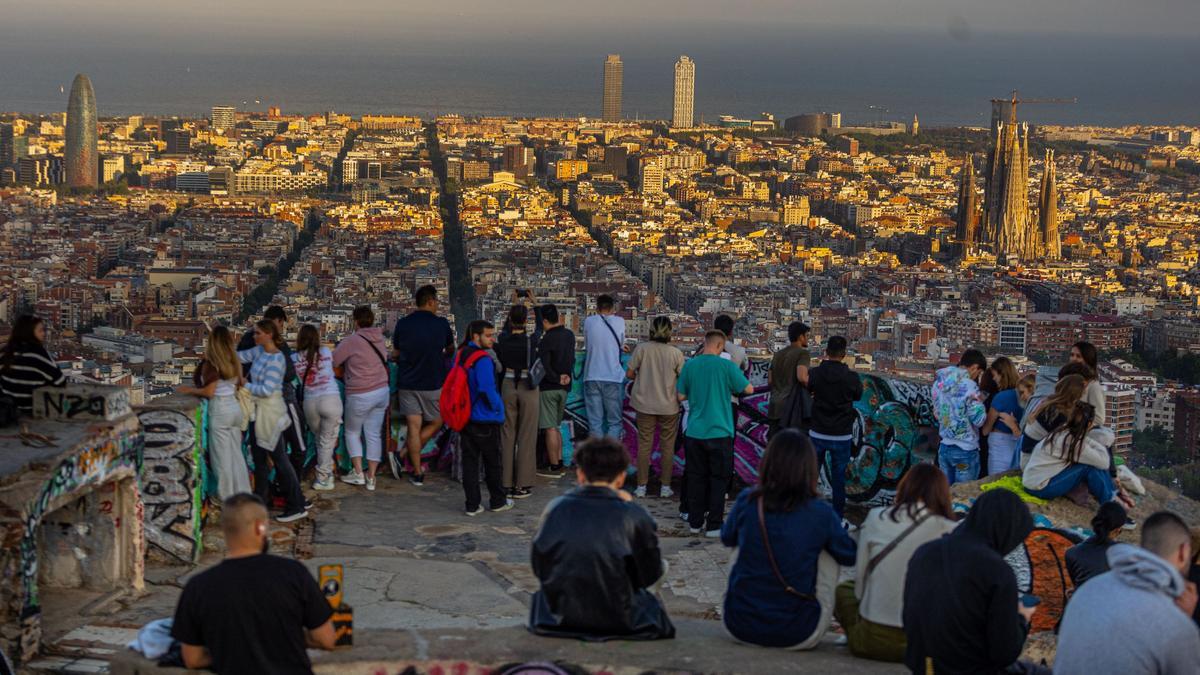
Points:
(268, 366)
(870, 607)
(835, 388)
(219, 376)
(1089, 558)
(959, 410)
(596, 557)
(962, 611)
(556, 350)
(361, 355)
(517, 351)
(481, 436)
(423, 344)
(322, 399)
(1002, 439)
(789, 367)
(1077, 452)
(252, 612)
(736, 352)
(25, 364)
(293, 435)
(654, 369)
(789, 546)
(1137, 618)
(603, 376)
(1085, 353)
(706, 382)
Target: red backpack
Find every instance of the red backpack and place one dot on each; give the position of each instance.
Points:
(455, 400)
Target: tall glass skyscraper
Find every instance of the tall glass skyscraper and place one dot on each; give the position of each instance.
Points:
(614, 71)
(685, 93)
(82, 156)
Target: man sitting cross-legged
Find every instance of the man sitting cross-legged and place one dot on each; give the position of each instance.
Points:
(596, 555)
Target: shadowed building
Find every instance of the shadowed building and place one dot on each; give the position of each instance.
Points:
(614, 72)
(82, 156)
(967, 218)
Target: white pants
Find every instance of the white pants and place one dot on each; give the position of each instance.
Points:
(225, 446)
(364, 418)
(324, 416)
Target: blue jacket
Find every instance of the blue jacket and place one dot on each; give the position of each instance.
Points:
(486, 405)
(757, 608)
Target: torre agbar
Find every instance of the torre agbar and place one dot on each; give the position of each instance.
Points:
(81, 153)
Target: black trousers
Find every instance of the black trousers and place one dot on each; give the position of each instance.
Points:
(285, 475)
(293, 438)
(481, 442)
(707, 471)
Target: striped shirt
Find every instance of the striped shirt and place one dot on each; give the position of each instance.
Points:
(266, 370)
(31, 368)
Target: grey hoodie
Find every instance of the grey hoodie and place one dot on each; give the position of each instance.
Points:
(1125, 621)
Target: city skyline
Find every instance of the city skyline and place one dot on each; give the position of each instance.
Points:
(610, 107)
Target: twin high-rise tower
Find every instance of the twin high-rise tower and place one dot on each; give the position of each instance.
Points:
(1009, 227)
(683, 102)
(82, 154)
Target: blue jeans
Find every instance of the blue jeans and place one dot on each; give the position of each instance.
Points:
(603, 401)
(960, 466)
(1099, 483)
(839, 459)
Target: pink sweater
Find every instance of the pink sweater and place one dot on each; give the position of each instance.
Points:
(365, 370)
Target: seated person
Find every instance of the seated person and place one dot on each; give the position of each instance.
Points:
(252, 612)
(1076, 452)
(962, 612)
(1090, 558)
(1136, 618)
(870, 606)
(789, 545)
(596, 555)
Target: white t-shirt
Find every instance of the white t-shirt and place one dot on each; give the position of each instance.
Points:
(603, 362)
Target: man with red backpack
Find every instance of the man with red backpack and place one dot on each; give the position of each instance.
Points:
(476, 411)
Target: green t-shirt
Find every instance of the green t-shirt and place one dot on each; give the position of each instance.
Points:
(708, 381)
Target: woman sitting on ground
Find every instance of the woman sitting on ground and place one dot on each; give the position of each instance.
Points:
(1090, 558)
(1077, 452)
(1051, 413)
(870, 607)
(789, 545)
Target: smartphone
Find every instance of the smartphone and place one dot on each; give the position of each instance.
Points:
(1030, 601)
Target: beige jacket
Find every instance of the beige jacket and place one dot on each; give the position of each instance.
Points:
(881, 596)
(1049, 456)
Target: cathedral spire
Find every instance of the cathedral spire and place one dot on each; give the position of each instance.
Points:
(967, 218)
(1048, 211)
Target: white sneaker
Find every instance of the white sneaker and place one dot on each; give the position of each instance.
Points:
(508, 504)
(396, 466)
(666, 493)
(713, 534)
(694, 530)
(354, 479)
(478, 510)
(370, 483)
(289, 517)
(640, 492)
(323, 484)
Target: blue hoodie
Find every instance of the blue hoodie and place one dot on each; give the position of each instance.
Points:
(486, 405)
(1126, 621)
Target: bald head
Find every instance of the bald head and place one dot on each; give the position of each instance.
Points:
(243, 518)
(1166, 535)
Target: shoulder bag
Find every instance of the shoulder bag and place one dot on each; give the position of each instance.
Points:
(762, 525)
(878, 557)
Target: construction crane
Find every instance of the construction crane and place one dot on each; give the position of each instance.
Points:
(999, 103)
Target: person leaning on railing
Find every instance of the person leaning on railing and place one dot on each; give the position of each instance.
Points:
(25, 364)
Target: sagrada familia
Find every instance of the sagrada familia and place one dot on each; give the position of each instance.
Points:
(1006, 225)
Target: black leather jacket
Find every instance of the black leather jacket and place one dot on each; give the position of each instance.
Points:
(595, 556)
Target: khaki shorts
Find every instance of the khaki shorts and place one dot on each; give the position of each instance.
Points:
(423, 403)
(552, 409)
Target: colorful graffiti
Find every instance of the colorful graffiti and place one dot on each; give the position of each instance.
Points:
(173, 479)
(1041, 569)
(113, 455)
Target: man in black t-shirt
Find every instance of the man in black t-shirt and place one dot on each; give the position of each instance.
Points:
(253, 612)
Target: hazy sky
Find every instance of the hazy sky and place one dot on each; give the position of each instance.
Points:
(373, 19)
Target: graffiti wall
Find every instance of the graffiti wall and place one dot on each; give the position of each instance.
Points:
(174, 477)
(108, 456)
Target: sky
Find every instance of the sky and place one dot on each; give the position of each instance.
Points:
(1126, 61)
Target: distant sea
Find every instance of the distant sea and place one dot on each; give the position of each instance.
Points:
(867, 75)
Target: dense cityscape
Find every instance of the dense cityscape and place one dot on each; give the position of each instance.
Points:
(131, 235)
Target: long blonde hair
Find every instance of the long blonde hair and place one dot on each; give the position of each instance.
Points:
(220, 353)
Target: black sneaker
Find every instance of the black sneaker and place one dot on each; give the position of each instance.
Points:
(417, 479)
(521, 493)
(548, 472)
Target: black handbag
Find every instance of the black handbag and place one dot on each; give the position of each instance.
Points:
(797, 414)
